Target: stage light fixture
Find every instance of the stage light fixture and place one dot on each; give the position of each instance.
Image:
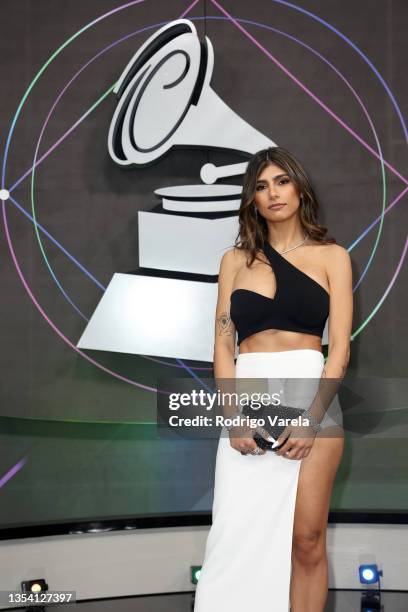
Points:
(34, 586)
(370, 602)
(195, 573)
(371, 599)
(369, 573)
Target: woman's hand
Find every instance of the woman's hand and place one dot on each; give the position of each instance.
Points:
(241, 439)
(298, 445)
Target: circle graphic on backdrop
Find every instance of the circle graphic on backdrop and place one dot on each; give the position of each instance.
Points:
(15, 261)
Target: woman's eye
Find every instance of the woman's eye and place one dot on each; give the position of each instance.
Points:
(281, 182)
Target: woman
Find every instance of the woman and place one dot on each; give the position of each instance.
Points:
(267, 544)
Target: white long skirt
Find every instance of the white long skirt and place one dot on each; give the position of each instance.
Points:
(247, 559)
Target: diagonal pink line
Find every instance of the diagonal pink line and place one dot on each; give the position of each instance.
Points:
(188, 9)
(12, 471)
(309, 92)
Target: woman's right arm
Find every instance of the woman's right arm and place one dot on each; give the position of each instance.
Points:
(224, 336)
(224, 349)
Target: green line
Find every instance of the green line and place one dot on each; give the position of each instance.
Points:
(89, 111)
(378, 305)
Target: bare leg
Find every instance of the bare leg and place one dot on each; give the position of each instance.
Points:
(309, 581)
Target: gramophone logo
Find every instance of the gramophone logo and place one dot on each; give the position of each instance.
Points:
(165, 100)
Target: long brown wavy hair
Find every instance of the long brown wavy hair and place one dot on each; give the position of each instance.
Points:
(253, 229)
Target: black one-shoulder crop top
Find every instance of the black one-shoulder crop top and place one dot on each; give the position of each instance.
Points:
(300, 303)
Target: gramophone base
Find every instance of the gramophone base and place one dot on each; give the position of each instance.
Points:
(145, 315)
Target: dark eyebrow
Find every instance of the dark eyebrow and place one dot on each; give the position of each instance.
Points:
(273, 178)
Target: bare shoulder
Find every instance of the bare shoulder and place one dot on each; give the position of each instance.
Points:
(331, 252)
(333, 258)
(337, 261)
(336, 255)
(231, 259)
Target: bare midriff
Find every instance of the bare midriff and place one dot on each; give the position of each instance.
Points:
(273, 340)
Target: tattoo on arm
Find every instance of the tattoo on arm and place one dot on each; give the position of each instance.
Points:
(224, 324)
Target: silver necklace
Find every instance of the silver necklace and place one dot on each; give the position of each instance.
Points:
(294, 247)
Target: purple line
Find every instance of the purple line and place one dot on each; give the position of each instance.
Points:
(54, 146)
(57, 244)
(12, 471)
(363, 234)
(192, 5)
(307, 90)
(173, 365)
(193, 375)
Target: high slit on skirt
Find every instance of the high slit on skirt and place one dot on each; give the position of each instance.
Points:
(247, 558)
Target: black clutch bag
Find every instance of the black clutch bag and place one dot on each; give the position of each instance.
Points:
(271, 421)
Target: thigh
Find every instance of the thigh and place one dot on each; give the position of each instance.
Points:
(316, 477)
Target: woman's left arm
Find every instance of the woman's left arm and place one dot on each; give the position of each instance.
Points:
(339, 273)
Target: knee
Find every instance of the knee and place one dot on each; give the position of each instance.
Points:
(309, 547)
